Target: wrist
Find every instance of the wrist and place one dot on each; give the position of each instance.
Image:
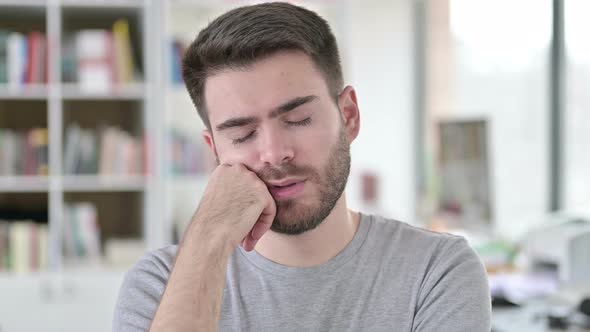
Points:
(210, 234)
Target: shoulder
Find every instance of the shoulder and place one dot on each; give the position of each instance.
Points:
(390, 234)
(434, 251)
(161, 259)
(154, 265)
(142, 288)
(452, 292)
(438, 258)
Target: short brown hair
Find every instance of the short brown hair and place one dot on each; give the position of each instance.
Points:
(244, 35)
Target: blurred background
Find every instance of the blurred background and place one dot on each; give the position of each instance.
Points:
(475, 121)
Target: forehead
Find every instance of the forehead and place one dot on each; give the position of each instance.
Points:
(262, 86)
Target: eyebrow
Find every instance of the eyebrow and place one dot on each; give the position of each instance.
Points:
(236, 122)
(291, 105)
(282, 109)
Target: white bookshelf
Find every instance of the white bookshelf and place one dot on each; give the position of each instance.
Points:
(24, 184)
(99, 183)
(66, 102)
(136, 91)
(75, 296)
(31, 92)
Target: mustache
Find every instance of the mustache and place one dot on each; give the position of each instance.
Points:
(270, 173)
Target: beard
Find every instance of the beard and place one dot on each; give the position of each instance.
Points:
(295, 217)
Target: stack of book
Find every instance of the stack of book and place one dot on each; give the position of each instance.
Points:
(81, 233)
(23, 58)
(187, 156)
(23, 152)
(99, 60)
(107, 151)
(23, 246)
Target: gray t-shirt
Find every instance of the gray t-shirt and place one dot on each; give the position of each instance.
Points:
(390, 277)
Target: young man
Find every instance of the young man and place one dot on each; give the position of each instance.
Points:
(273, 246)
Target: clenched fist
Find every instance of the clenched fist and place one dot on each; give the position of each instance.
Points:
(236, 206)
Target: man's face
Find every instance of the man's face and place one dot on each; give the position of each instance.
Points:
(278, 119)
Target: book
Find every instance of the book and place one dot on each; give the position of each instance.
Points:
(178, 49)
(81, 232)
(23, 246)
(107, 151)
(99, 59)
(123, 52)
(4, 56)
(39, 144)
(24, 152)
(36, 58)
(20, 247)
(28, 154)
(42, 246)
(89, 230)
(7, 152)
(108, 145)
(94, 60)
(4, 246)
(188, 155)
(33, 238)
(17, 59)
(88, 153)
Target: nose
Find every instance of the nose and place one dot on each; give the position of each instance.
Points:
(275, 149)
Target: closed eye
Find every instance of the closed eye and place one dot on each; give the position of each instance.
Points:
(244, 139)
(303, 122)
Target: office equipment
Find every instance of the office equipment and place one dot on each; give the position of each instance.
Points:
(561, 245)
(566, 309)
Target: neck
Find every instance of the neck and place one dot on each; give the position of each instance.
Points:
(312, 247)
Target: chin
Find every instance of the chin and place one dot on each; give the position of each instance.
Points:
(294, 219)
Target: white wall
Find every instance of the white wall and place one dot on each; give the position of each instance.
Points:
(501, 74)
(379, 59)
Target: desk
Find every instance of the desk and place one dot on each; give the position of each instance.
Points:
(531, 317)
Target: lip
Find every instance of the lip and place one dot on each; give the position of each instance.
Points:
(290, 191)
(283, 183)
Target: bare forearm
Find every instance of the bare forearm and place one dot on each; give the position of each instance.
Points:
(192, 299)
(234, 202)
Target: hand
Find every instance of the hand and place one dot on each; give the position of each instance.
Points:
(237, 205)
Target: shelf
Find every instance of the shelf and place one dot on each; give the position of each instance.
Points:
(188, 180)
(70, 267)
(24, 92)
(23, 3)
(30, 275)
(94, 183)
(134, 91)
(73, 91)
(23, 184)
(102, 3)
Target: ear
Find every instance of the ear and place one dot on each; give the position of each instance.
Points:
(208, 136)
(349, 112)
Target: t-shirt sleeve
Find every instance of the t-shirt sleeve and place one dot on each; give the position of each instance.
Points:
(455, 293)
(140, 295)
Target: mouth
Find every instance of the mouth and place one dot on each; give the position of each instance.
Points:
(287, 189)
(284, 182)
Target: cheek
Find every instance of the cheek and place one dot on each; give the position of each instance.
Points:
(314, 149)
(232, 156)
